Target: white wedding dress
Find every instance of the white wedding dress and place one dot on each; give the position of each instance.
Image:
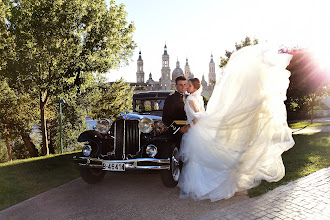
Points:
(239, 139)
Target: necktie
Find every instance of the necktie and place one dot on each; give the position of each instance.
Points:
(183, 98)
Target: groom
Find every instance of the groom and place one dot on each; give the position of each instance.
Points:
(174, 116)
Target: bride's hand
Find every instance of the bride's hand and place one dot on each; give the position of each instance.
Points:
(184, 129)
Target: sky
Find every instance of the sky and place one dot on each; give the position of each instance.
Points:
(194, 29)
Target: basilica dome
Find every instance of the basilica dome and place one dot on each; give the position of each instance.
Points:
(177, 71)
(150, 80)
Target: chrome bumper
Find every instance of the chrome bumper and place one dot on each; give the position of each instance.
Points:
(131, 164)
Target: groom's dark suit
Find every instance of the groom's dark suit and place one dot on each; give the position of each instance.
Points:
(174, 115)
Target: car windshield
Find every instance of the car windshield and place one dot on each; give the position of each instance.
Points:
(150, 101)
(148, 105)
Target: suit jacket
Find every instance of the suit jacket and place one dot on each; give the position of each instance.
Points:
(173, 110)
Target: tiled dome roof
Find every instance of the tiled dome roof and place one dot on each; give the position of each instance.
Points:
(177, 72)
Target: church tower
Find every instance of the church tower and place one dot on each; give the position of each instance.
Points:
(212, 78)
(166, 71)
(140, 73)
(204, 83)
(187, 73)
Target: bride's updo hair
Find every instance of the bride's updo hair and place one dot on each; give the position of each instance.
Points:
(196, 83)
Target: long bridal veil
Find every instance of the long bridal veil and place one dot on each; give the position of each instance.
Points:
(240, 139)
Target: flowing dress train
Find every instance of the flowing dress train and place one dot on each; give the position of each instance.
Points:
(239, 139)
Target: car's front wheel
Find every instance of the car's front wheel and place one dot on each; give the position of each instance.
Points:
(170, 177)
(92, 175)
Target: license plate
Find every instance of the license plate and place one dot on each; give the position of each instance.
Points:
(113, 166)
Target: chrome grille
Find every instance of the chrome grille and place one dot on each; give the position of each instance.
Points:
(127, 142)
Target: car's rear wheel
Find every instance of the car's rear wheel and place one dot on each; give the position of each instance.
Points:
(170, 177)
(92, 175)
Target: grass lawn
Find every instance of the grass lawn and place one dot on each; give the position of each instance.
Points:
(23, 179)
(310, 153)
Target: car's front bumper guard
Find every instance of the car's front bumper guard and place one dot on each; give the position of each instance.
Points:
(162, 164)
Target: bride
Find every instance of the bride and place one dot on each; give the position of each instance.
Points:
(239, 139)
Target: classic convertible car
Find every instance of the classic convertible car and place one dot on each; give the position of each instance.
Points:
(133, 141)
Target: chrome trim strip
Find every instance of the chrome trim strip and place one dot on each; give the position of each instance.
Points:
(128, 167)
(154, 160)
(115, 139)
(131, 167)
(139, 139)
(90, 165)
(129, 164)
(124, 141)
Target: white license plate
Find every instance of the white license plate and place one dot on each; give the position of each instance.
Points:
(113, 166)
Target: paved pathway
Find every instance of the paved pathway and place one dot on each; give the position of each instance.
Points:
(304, 198)
(309, 129)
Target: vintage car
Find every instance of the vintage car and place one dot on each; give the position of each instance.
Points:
(134, 141)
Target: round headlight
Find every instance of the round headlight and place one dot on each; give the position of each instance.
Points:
(103, 125)
(146, 125)
(87, 150)
(151, 150)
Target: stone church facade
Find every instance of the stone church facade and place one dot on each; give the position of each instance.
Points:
(167, 80)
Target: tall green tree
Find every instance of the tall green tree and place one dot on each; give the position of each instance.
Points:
(75, 109)
(246, 42)
(58, 41)
(17, 113)
(308, 81)
(8, 117)
(114, 99)
(5, 39)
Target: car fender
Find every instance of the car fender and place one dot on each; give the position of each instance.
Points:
(163, 143)
(90, 135)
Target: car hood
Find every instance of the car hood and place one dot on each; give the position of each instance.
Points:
(137, 116)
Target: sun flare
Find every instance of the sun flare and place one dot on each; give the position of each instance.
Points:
(321, 56)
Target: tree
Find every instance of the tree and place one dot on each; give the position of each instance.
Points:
(73, 124)
(76, 108)
(16, 116)
(114, 100)
(244, 43)
(8, 118)
(5, 40)
(58, 41)
(307, 81)
(7, 52)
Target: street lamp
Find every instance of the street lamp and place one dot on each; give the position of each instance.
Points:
(61, 138)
